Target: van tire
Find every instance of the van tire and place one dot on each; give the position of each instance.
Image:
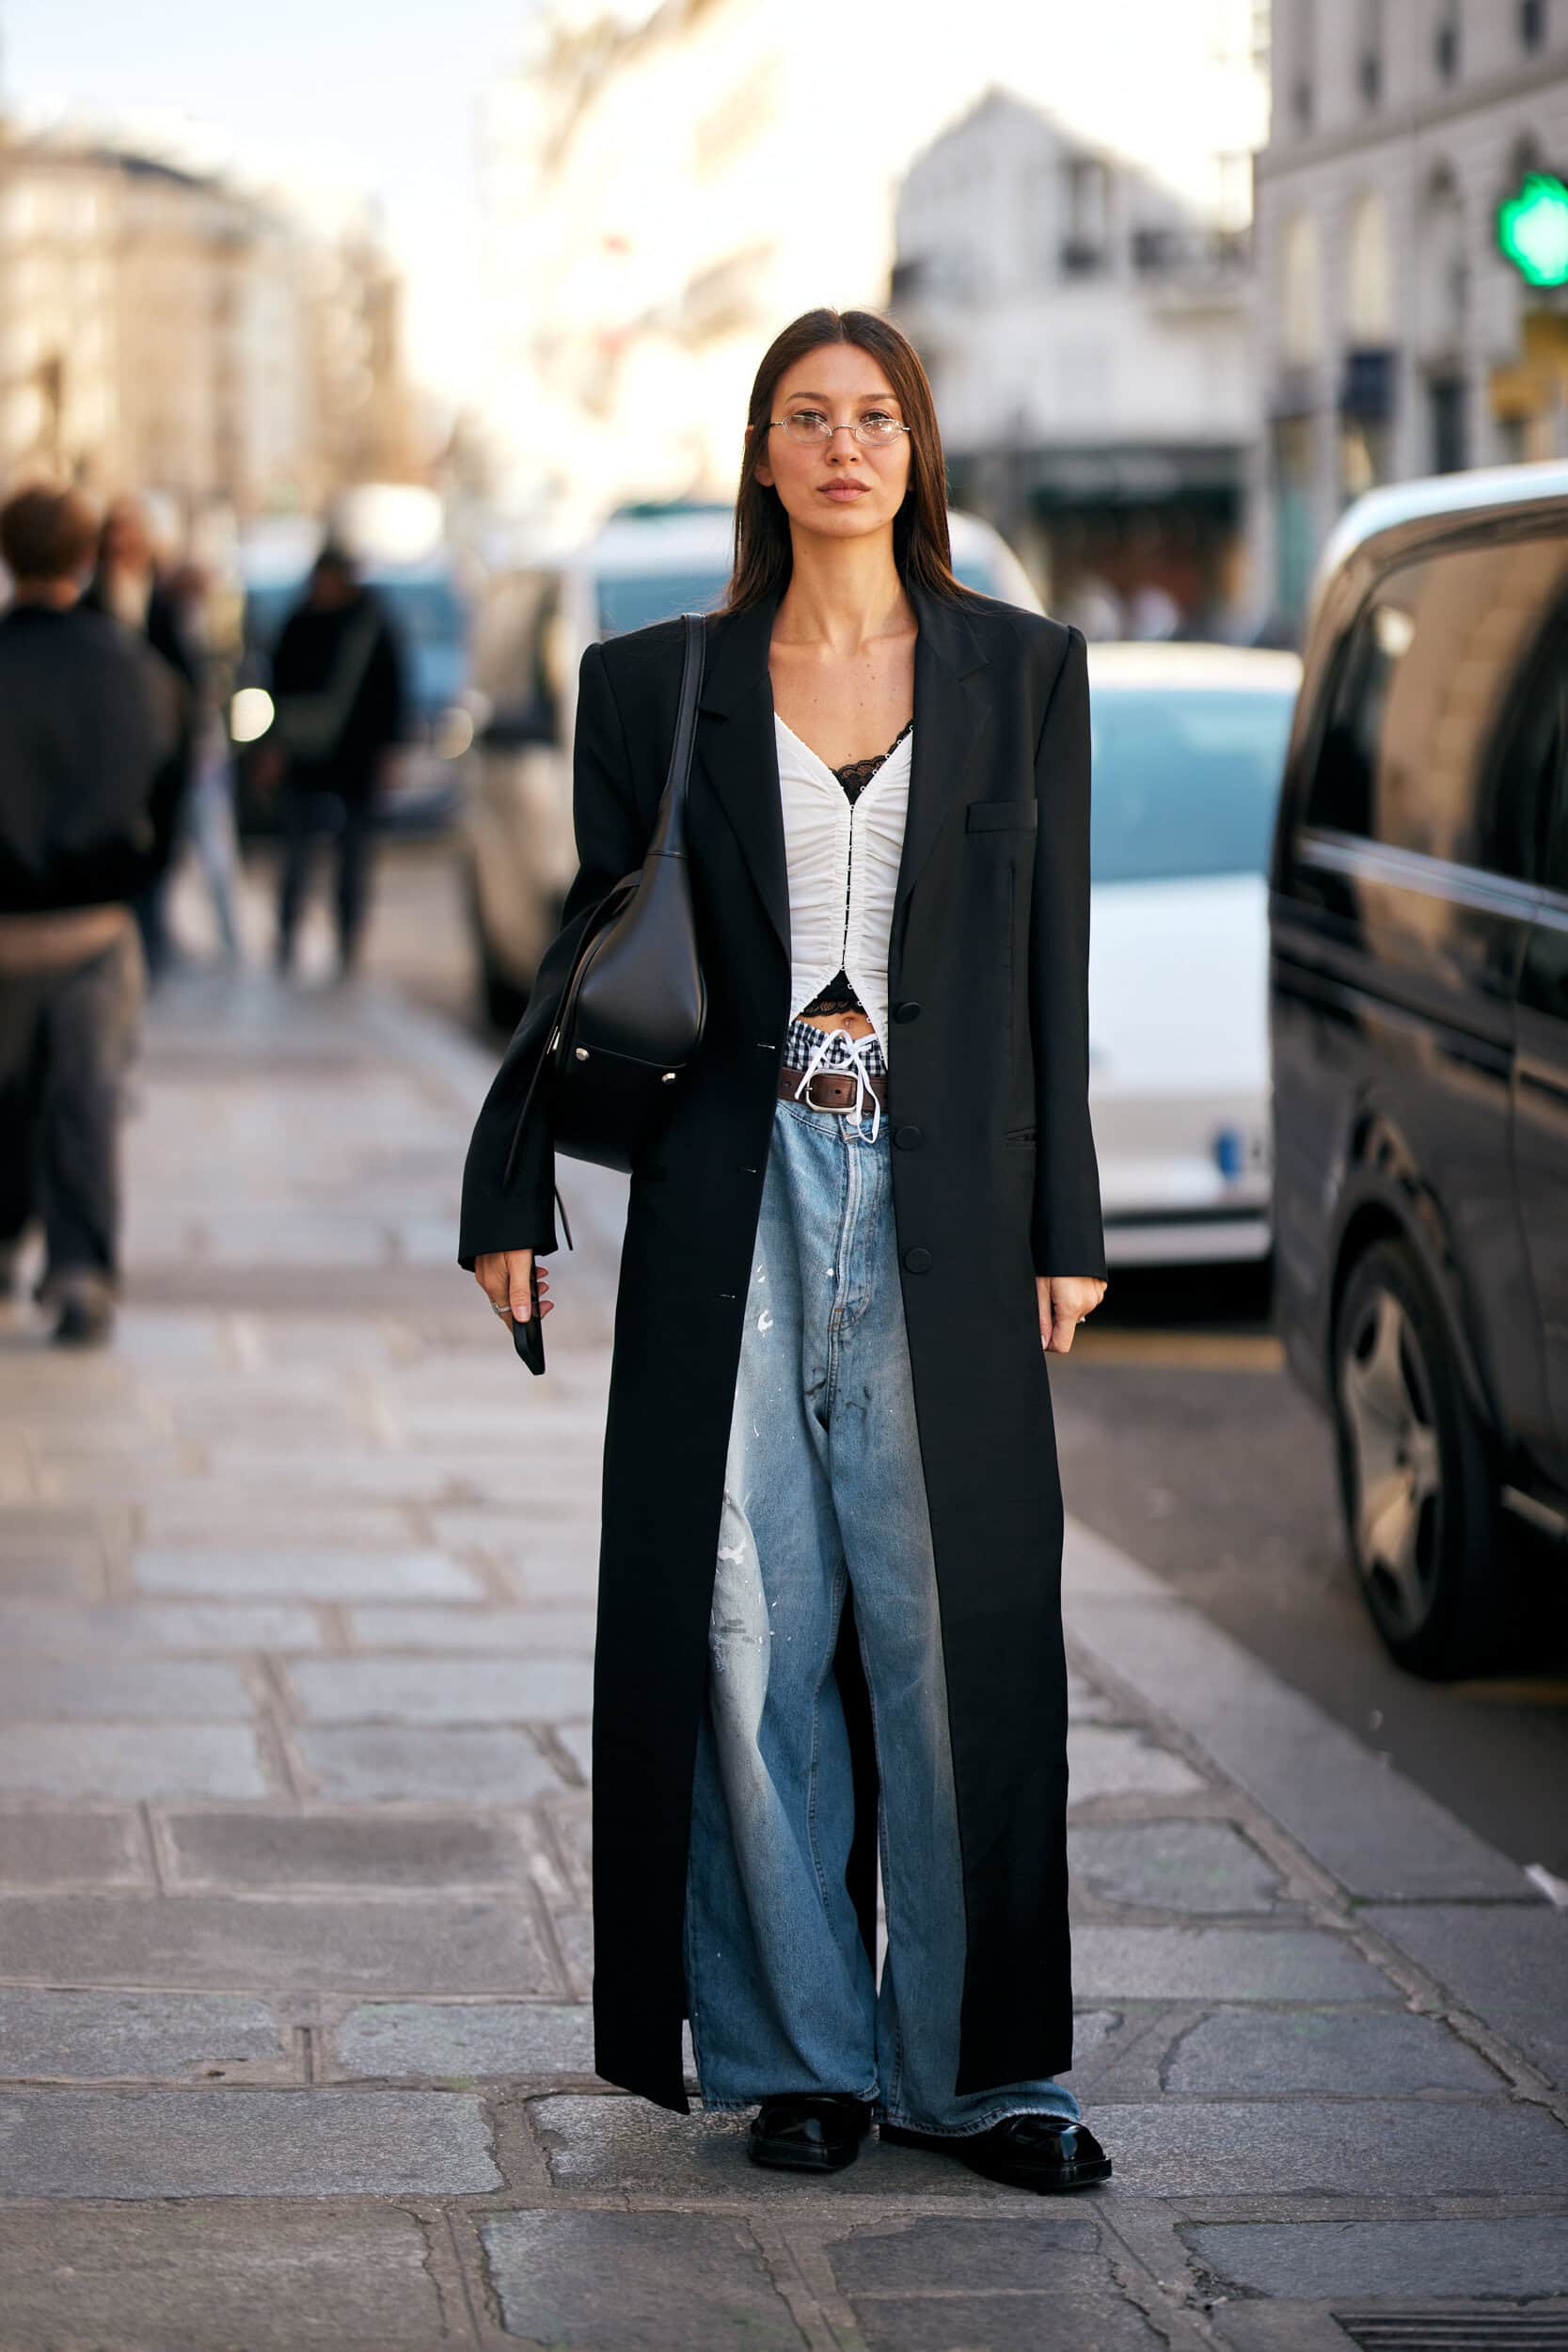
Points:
(1435, 1567)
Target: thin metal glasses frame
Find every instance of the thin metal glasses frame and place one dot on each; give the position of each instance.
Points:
(866, 440)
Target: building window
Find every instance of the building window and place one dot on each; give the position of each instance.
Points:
(1445, 40)
(1448, 422)
(1532, 24)
(1086, 214)
(1300, 37)
(1369, 64)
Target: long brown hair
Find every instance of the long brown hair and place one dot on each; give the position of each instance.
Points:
(764, 556)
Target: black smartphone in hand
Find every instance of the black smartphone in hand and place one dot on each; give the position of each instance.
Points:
(529, 1338)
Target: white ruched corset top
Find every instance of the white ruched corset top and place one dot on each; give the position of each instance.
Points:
(842, 858)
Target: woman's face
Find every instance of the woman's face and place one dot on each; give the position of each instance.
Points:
(843, 489)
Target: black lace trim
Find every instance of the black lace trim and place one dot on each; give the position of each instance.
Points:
(839, 994)
(856, 774)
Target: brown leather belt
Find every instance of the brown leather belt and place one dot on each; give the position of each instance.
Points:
(832, 1089)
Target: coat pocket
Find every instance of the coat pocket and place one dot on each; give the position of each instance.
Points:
(1021, 1136)
(992, 816)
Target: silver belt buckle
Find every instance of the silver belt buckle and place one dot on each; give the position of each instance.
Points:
(841, 1109)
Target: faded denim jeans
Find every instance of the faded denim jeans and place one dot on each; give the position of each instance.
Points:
(824, 1491)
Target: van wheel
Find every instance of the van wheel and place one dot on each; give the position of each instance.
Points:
(1421, 1497)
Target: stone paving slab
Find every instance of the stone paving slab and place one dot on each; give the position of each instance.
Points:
(1306, 1772)
(1507, 1961)
(452, 1764)
(117, 1629)
(534, 1632)
(1129, 1962)
(419, 1944)
(151, 1690)
(205, 2278)
(134, 2037)
(1361, 2147)
(442, 2040)
(439, 1689)
(942, 2251)
(131, 1760)
(635, 2282)
(1240, 2053)
(302, 1573)
(1202, 1866)
(1458, 2256)
(285, 2144)
(46, 1847)
(1098, 2315)
(1106, 1762)
(342, 1850)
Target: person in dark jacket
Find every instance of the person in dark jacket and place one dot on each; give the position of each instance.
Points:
(87, 721)
(128, 586)
(338, 691)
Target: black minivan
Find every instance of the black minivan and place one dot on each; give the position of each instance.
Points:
(1419, 1028)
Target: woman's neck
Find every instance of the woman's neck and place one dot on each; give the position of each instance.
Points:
(841, 595)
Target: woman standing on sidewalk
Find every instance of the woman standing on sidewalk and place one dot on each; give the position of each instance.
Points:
(829, 1575)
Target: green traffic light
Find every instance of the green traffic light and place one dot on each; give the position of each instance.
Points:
(1533, 229)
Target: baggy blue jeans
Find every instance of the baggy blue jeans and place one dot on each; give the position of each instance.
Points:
(824, 1492)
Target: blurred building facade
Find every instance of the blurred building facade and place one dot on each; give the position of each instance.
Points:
(666, 183)
(164, 331)
(1087, 326)
(1395, 338)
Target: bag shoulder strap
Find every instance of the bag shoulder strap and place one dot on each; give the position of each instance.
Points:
(669, 836)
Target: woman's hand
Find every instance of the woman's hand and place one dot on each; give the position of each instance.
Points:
(1065, 1299)
(502, 1275)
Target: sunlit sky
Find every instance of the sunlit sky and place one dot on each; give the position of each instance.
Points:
(377, 95)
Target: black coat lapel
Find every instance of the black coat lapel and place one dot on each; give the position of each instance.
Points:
(952, 714)
(739, 755)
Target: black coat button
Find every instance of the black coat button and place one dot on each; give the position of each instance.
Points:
(908, 1138)
(908, 1010)
(918, 1261)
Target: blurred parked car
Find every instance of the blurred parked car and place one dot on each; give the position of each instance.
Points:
(1419, 1028)
(1188, 745)
(426, 607)
(534, 624)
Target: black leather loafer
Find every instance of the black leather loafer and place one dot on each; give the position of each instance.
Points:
(1042, 2152)
(810, 2131)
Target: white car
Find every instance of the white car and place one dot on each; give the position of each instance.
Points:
(1188, 749)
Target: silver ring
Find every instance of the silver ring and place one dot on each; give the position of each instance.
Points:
(501, 1307)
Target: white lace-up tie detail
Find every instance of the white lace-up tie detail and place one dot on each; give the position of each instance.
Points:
(855, 1049)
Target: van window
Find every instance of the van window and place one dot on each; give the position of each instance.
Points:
(1420, 748)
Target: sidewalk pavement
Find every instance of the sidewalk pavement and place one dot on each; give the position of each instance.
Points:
(295, 1648)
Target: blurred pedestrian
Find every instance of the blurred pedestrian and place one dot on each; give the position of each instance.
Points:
(127, 585)
(88, 720)
(338, 694)
(211, 804)
(830, 1566)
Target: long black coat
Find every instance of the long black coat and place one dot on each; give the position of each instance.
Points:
(995, 1181)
